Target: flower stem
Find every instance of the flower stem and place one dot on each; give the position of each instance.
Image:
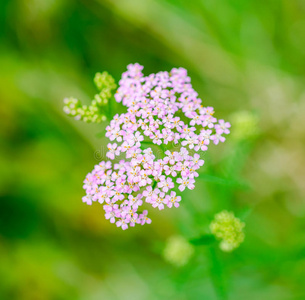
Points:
(154, 184)
(217, 275)
(110, 108)
(148, 142)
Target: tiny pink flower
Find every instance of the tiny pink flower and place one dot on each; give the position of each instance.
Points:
(112, 150)
(189, 183)
(173, 199)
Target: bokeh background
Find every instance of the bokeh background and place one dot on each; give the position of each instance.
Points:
(245, 58)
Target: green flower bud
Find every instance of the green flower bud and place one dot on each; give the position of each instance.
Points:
(178, 251)
(229, 229)
(104, 81)
(97, 99)
(94, 112)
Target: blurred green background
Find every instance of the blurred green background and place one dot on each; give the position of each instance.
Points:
(245, 58)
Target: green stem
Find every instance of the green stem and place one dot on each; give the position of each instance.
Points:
(110, 108)
(154, 184)
(204, 240)
(217, 274)
(148, 142)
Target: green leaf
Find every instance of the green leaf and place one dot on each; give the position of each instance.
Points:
(206, 239)
(223, 181)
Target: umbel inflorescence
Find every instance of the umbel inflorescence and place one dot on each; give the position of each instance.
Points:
(154, 147)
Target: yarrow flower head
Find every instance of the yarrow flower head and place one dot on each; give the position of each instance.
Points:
(162, 111)
(229, 229)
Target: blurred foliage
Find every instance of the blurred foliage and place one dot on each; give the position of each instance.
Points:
(242, 56)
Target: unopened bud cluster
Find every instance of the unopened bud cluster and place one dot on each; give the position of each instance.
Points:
(228, 229)
(97, 110)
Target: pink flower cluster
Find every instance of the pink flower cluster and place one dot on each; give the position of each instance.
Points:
(162, 110)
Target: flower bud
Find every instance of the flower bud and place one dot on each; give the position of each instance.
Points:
(104, 81)
(92, 113)
(229, 229)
